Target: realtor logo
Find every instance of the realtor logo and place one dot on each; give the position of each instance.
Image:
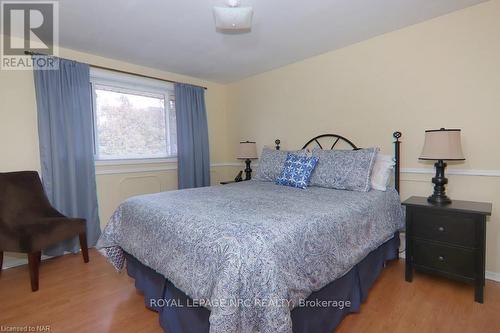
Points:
(31, 26)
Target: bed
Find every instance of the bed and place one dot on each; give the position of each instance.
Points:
(254, 256)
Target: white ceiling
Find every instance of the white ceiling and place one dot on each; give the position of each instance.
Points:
(179, 35)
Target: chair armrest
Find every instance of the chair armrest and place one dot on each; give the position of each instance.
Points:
(52, 212)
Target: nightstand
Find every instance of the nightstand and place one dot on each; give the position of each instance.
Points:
(448, 240)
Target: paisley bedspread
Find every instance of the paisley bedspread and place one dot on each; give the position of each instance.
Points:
(251, 251)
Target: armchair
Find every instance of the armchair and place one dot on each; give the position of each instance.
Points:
(29, 223)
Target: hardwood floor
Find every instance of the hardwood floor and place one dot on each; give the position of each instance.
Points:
(78, 297)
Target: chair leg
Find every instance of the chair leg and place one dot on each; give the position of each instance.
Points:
(34, 265)
(1, 261)
(83, 246)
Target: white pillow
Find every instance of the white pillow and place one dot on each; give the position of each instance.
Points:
(381, 172)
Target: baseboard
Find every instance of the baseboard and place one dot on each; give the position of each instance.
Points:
(9, 262)
(493, 276)
(15, 262)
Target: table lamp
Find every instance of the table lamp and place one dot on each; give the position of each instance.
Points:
(247, 151)
(441, 145)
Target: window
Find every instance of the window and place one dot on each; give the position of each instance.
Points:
(134, 117)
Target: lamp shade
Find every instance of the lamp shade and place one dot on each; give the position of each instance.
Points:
(442, 144)
(247, 150)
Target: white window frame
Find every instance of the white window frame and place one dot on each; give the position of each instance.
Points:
(135, 84)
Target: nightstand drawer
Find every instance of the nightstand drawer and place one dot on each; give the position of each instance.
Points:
(447, 259)
(446, 227)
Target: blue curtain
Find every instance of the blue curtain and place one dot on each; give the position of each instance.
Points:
(192, 136)
(65, 132)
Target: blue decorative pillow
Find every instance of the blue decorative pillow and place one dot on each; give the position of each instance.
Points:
(297, 171)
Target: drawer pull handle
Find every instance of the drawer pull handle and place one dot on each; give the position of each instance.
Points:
(441, 258)
(441, 229)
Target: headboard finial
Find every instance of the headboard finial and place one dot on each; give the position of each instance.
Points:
(277, 142)
(397, 135)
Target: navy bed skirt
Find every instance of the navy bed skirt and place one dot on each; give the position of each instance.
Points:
(182, 318)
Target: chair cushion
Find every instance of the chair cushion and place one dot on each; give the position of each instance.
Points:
(41, 233)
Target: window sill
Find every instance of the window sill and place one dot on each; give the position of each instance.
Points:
(111, 167)
(135, 161)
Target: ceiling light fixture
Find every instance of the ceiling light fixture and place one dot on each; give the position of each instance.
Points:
(233, 17)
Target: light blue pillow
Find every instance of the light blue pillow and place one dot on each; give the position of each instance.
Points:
(297, 171)
(344, 169)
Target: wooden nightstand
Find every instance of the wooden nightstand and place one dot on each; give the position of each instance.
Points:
(448, 240)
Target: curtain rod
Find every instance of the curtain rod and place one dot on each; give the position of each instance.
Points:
(120, 71)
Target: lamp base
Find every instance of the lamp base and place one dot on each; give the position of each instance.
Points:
(248, 170)
(439, 196)
(439, 200)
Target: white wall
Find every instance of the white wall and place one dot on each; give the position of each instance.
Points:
(441, 73)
